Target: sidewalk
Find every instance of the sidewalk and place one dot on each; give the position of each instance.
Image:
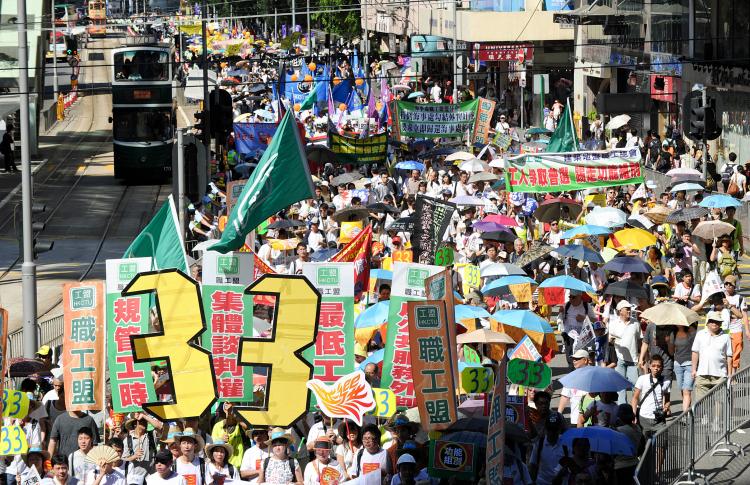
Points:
(725, 469)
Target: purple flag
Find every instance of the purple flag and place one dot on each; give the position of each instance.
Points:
(371, 109)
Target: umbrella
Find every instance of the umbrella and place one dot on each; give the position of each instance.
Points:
(257, 88)
(633, 238)
(501, 219)
(415, 94)
(537, 250)
(320, 154)
(687, 187)
(404, 224)
(678, 179)
(284, 244)
(229, 81)
(501, 269)
(618, 122)
(369, 321)
(351, 213)
(627, 289)
(669, 313)
(474, 165)
(607, 217)
(381, 274)
(579, 252)
(627, 264)
(640, 221)
(569, 282)
(467, 200)
(262, 113)
(22, 367)
(595, 379)
(374, 358)
(382, 208)
(557, 208)
(486, 226)
(684, 171)
(523, 319)
(499, 236)
(719, 201)
(285, 224)
(601, 439)
(585, 230)
(478, 424)
(322, 255)
(658, 213)
(708, 230)
(459, 156)
(437, 152)
(400, 87)
(410, 165)
(534, 130)
(483, 177)
(687, 214)
(469, 312)
(498, 287)
(346, 178)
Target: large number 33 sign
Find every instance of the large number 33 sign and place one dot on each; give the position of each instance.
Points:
(179, 306)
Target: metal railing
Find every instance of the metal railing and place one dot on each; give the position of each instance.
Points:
(671, 454)
(49, 332)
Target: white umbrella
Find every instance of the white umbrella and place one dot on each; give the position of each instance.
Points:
(501, 269)
(458, 156)
(467, 200)
(618, 122)
(684, 171)
(607, 217)
(498, 163)
(474, 165)
(483, 177)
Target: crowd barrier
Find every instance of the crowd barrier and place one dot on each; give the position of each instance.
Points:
(670, 455)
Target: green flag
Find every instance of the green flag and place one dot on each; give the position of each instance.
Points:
(564, 138)
(161, 240)
(312, 98)
(281, 178)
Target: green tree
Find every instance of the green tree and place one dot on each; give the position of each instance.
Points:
(346, 24)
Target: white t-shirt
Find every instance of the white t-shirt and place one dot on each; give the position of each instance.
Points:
(549, 461)
(173, 479)
(739, 301)
(253, 460)
(212, 470)
(114, 478)
(680, 291)
(370, 462)
(648, 403)
(713, 351)
(626, 339)
(314, 470)
(316, 240)
(435, 93)
(348, 454)
(606, 414)
(190, 471)
(575, 397)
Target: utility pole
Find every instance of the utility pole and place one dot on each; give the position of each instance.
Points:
(294, 16)
(704, 152)
(28, 267)
(367, 38)
(455, 49)
(181, 181)
(55, 87)
(309, 36)
(275, 22)
(204, 56)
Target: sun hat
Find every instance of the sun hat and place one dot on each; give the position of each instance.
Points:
(219, 444)
(580, 354)
(623, 304)
(189, 433)
(172, 432)
(280, 434)
(406, 458)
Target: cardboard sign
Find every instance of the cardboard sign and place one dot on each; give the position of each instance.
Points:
(385, 403)
(452, 459)
(348, 398)
(515, 410)
(13, 441)
(529, 373)
(496, 429)
(476, 380)
(349, 230)
(585, 337)
(471, 356)
(15, 404)
(83, 345)
(444, 256)
(525, 349)
(402, 256)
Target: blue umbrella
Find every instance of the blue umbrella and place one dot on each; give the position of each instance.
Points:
(586, 230)
(568, 282)
(601, 440)
(595, 379)
(464, 312)
(374, 316)
(523, 319)
(687, 187)
(580, 252)
(719, 201)
(381, 274)
(410, 165)
(323, 254)
(627, 264)
(374, 358)
(498, 287)
(415, 94)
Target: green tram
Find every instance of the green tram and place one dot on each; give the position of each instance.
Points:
(143, 112)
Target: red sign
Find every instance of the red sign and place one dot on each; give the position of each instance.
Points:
(141, 94)
(670, 91)
(504, 52)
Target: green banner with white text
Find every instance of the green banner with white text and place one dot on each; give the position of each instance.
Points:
(435, 120)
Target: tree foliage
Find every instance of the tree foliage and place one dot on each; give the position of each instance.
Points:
(345, 24)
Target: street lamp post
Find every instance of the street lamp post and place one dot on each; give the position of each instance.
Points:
(55, 87)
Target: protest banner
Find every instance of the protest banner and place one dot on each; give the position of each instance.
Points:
(452, 459)
(30, 476)
(432, 360)
(470, 278)
(485, 110)
(408, 285)
(229, 319)
(332, 356)
(582, 339)
(496, 429)
(83, 345)
(515, 410)
(529, 373)
(433, 120)
(3, 349)
(712, 284)
(13, 441)
(252, 139)
(557, 172)
(126, 315)
(440, 287)
(477, 379)
(525, 349)
(350, 397)
(15, 404)
(434, 216)
(357, 251)
(372, 149)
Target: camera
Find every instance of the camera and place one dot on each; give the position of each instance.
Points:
(660, 416)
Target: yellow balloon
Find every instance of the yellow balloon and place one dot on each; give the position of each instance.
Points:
(359, 81)
(308, 78)
(294, 78)
(297, 107)
(336, 80)
(312, 66)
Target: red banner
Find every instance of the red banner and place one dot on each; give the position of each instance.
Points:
(357, 252)
(504, 52)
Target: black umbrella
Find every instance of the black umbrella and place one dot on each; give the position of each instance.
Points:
(687, 214)
(320, 154)
(626, 289)
(257, 88)
(438, 152)
(353, 213)
(537, 250)
(479, 425)
(627, 264)
(285, 224)
(346, 178)
(501, 236)
(22, 367)
(382, 208)
(323, 254)
(404, 224)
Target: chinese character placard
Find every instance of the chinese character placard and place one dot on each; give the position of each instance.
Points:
(83, 345)
(431, 364)
(131, 383)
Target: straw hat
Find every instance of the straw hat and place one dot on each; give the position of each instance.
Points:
(219, 444)
(190, 433)
(280, 434)
(172, 432)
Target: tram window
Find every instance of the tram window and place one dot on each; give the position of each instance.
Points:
(135, 126)
(142, 66)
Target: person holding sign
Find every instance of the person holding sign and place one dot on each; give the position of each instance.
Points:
(322, 470)
(372, 457)
(218, 469)
(279, 467)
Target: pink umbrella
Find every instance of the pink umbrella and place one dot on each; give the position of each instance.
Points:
(501, 219)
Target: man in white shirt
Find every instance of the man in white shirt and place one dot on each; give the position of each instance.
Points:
(573, 396)
(626, 334)
(651, 396)
(463, 187)
(571, 319)
(436, 93)
(712, 355)
(316, 240)
(188, 465)
(502, 126)
(253, 458)
(164, 474)
(60, 475)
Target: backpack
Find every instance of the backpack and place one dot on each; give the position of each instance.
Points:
(726, 264)
(727, 173)
(290, 461)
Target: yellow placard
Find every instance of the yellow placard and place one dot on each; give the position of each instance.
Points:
(470, 277)
(15, 404)
(387, 264)
(349, 230)
(13, 441)
(475, 380)
(385, 403)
